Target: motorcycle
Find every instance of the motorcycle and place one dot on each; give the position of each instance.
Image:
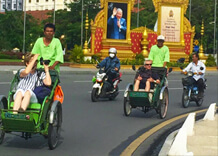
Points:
(102, 88)
(190, 90)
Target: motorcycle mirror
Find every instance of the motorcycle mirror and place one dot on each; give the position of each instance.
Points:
(170, 70)
(181, 60)
(133, 67)
(201, 68)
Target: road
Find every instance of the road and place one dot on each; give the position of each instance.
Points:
(98, 129)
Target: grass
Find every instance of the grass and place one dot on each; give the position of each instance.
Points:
(10, 60)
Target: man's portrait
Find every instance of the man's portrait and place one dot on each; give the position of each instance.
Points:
(116, 23)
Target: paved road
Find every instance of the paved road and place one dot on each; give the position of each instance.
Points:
(98, 129)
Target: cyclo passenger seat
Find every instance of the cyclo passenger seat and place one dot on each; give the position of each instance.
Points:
(161, 71)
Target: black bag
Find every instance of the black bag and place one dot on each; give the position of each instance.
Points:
(41, 92)
(188, 81)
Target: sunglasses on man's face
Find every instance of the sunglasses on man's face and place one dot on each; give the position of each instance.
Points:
(148, 64)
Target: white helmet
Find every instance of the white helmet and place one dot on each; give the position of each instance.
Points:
(161, 37)
(113, 50)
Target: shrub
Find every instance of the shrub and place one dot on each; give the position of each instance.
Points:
(76, 54)
(210, 62)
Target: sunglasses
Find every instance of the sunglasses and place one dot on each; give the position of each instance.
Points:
(148, 64)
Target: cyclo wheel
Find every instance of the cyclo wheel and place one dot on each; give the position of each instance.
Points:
(3, 105)
(54, 128)
(127, 107)
(163, 104)
(94, 95)
(185, 98)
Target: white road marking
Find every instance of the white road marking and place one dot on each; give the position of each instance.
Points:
(81, 81)
(122, 90)
(5, 83)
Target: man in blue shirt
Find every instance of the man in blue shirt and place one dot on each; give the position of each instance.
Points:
(117, 24)
(111, 65)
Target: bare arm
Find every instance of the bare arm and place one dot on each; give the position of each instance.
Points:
(47, 80)
(29, 66)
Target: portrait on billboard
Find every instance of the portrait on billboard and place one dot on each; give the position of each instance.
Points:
(116, 21)
(171, 23)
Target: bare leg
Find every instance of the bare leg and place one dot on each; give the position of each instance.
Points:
(136, 85)
(26, 100)
(17, 101)
(147, 87)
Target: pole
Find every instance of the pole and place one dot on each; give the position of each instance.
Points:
(54, 13)
(24, 25)
(190, 10)
(82, 26)
(214, 42)
(138, 15)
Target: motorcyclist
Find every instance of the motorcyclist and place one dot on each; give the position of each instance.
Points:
(111, 65)
(198, 68)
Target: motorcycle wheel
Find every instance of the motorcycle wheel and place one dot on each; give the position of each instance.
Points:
(185, 99)
(127, 107)
(94, 95)
(115, 94)
(199, 102)
(163, 104)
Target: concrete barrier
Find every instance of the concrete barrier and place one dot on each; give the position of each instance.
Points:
(210, 114)
(179, 145)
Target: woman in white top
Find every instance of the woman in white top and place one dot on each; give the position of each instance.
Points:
(28, 80)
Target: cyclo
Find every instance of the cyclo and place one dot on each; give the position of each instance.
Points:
(157, 99)
(45, 118)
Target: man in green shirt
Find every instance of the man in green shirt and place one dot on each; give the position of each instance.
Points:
(49, 48)
(159, 54)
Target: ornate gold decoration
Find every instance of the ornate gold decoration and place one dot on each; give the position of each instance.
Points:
(85, 49)
(185, 3)
(144, 42)
(201, 51)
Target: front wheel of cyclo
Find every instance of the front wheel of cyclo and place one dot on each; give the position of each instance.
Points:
(54, 128)
(3, 105)
(185, 98)
(126, 106)
(163, 104)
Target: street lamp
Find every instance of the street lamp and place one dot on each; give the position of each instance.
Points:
(214, 42)
(54, 14)
(190, 8)
(24, 25)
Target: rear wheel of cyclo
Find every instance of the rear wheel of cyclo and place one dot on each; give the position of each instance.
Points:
(94, 95)
(163, 104)
(54, 129)
(199, 102)
(127, 107)
(185, 99)
(3, 105)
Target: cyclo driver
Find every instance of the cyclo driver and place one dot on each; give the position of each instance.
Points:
(111, 65)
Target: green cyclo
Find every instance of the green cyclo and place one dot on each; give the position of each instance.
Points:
(44, 119)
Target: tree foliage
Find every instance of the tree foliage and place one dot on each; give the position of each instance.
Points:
(68, 23)
(12, 27)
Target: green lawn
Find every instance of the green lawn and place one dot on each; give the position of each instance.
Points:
(10, 60)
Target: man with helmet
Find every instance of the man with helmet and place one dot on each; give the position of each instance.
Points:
(111, 65)
(159, 54)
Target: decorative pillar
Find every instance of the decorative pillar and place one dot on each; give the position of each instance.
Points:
(201, 50)
(144, 43)
(85, 49)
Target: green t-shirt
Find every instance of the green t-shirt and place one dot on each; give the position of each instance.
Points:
(159, 55)
(52, 52)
